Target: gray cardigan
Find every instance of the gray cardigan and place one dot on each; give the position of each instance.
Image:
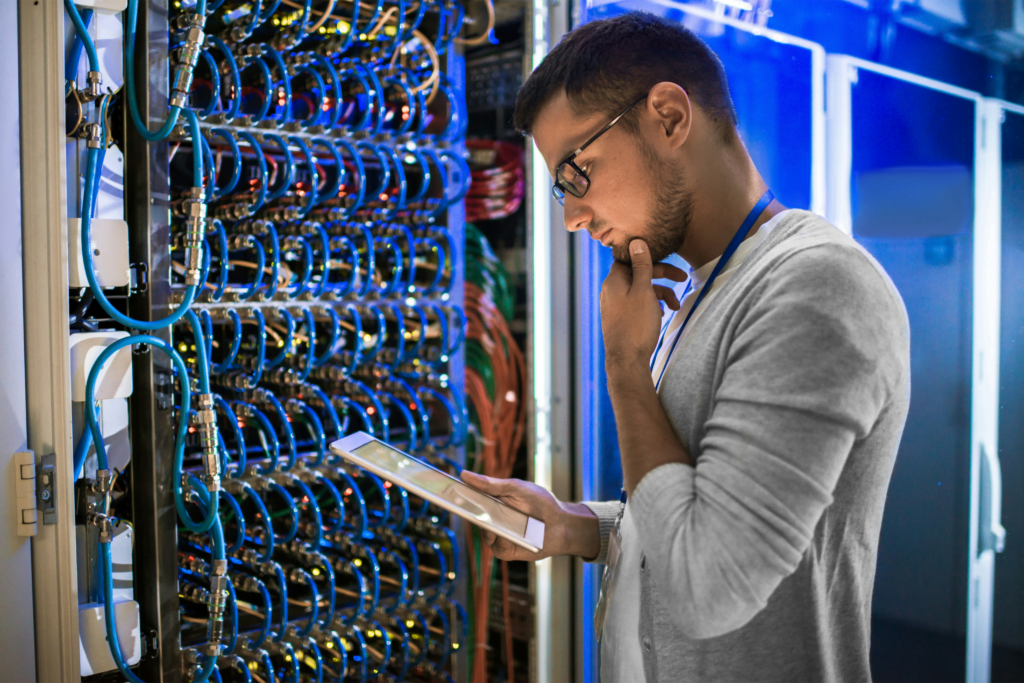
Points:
(791, 393)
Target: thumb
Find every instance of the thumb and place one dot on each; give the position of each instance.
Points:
(494, 487)
(640, 257)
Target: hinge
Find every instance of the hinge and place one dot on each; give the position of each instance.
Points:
(138, 278)
(25, 464)
(163, 385)
(46, 491)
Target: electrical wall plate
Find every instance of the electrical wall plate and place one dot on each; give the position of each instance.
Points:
(103, 6)
(92, 635)
(115, 378)
(109, 239)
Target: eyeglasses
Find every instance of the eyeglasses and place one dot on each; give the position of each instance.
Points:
(568, 176)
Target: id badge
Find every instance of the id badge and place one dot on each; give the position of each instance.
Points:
(608, 580)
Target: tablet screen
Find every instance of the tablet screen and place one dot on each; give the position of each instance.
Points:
(480, 505)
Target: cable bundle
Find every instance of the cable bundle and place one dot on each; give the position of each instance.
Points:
(495, 379)
(499, 181)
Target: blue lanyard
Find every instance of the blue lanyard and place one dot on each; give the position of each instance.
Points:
(737, 239)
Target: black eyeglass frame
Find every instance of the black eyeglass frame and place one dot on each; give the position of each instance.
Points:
(559, 188)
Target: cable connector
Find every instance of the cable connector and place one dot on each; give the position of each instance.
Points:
(206, 425)
(188, 56)
(92, 134)
(104, 524)
(218, 598)
(194, 210)
(93, 87)
(101, 485)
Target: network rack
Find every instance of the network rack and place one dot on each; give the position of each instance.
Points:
(292, 273)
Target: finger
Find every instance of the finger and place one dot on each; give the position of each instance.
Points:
(503, 549)
(618, 278)
(668, 295)
(640, 257)
(495, 487)
(666, 271)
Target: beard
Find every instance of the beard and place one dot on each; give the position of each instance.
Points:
(671, 213)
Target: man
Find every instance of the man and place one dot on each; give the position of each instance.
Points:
(758, 435)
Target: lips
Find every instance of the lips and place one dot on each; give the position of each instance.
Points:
(606, 234)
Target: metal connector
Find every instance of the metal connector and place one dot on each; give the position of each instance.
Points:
(194, 209)
(104, 524)
(218, 598)
(101, 485)
(93, 87)
(206, 426)
(194, 24)
(92, 134)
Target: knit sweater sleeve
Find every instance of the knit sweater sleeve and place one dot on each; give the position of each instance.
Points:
(606, 514)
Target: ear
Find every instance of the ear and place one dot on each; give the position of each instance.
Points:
(670, 106)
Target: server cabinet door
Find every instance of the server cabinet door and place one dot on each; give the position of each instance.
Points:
(1008, 618)
(903, 167)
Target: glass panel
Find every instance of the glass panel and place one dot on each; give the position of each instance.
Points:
(1008, 622)
(912, 204)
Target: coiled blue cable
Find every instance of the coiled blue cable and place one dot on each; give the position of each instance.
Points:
(211, 64)
(268, 528)
(261, 264)
(282, 586)
(316, 429)
(289, 165)
(129, 60)
(332, 343)
(261, 193)
(289, 433)
(314, 603)
(286, 344)
(236, 162)
(267, 617)
(310, 322)
(314, 176)
(293, 527)
(267, 430)
(236, 509)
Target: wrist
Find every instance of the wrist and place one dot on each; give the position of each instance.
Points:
(580, 530)
(627, 376)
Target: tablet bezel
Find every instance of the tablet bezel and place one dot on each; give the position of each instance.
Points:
(533, 540)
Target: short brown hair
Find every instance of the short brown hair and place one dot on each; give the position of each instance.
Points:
(604, 65)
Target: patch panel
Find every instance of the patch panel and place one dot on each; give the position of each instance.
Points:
(301, 280)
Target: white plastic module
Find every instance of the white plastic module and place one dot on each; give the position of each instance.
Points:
(115, 378)
(109, 239)
(92, 633)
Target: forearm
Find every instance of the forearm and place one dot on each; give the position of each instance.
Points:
(646, 438)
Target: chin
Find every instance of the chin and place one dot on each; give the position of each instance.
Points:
(621, 253)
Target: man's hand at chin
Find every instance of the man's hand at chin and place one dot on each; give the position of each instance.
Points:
(631, 308)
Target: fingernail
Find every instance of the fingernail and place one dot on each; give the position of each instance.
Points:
(637, 246)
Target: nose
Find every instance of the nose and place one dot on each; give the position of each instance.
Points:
(577, 216)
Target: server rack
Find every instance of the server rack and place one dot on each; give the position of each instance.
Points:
(416, 346)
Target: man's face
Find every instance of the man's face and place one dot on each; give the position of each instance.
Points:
(633, 193)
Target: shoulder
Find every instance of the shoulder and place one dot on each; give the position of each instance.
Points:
(809, 257)
(818, 290)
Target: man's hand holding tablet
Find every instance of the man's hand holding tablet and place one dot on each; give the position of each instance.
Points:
(497, 518)
(569, 528)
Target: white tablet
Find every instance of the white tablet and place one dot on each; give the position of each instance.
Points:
(442, 489)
